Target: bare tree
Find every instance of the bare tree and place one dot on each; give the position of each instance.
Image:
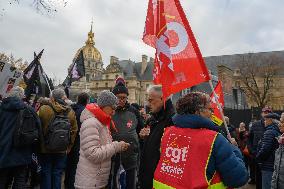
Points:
(48, 5)
(42, 6)
(18, 63)
(257, 74)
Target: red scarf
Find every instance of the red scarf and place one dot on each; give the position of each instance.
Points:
(104, 118)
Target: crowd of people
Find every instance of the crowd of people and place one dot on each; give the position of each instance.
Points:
(51, 143)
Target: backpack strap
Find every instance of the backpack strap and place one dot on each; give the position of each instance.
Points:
(54, 111)
(65, 113)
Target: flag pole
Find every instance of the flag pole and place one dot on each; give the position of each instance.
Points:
(86, 87)
(220, 109)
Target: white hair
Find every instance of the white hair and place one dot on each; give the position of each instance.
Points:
(17, 92)
(156, 89)
(58, 93)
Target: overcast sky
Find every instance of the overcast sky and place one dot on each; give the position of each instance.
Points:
(220, 27)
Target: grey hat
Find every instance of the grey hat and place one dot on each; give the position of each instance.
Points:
(107, 98)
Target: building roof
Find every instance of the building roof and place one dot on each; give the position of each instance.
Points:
(232, 61)
(131, 68)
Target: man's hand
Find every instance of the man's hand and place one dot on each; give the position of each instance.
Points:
(144, 132)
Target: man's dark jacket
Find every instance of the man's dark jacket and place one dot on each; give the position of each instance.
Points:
(151, 150)
(78, 108)
(267, 147)
(255, 134)
(128, 124)
(9, 155)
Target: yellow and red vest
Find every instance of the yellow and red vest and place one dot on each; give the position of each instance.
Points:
(185, 154)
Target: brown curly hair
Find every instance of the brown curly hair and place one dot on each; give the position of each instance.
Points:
(192, 102)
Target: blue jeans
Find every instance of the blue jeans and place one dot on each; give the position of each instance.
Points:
(266, 179)
(52, 167)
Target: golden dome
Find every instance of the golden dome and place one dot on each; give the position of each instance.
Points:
(90, 52)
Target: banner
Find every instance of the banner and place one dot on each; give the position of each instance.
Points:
(9, 77)
(36, 79)
(178, 62)
(77, 69)
(217, 116)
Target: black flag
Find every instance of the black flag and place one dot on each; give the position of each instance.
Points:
(36, 79)
(77, 69)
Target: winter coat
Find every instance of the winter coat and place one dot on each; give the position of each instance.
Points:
(96, 150)
(9, 155)
(127, 123)
(77, 108)
(150, 154)
(225, 158)
(46, 114)
(255, 134)
(278, 174)
(267, 147)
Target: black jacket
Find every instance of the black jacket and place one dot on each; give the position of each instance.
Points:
(255, 134)
(9, 155)
(267, 147)
(151, 150)
(128, 124)
(78, 108)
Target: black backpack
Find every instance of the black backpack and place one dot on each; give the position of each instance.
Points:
(27, 129)
(57, 138)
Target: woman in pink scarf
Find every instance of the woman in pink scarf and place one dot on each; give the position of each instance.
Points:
(96, 145)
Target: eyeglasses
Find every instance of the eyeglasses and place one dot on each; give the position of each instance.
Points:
(122, 97)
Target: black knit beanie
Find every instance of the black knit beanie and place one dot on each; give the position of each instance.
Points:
(120, 87)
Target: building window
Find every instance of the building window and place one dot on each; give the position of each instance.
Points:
(147, 85)
(238, 84)
(87, 77)
(107, 76)
(106, 84)
(97, 85)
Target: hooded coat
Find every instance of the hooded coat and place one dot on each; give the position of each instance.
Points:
(225, 158)
(9, 155)
(46, 114)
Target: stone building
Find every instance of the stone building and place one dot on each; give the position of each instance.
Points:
(138, 75)
(227, 67)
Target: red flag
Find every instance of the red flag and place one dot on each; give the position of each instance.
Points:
(178, 61)
(217, 116)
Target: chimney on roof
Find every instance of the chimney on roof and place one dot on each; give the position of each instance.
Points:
(113, 60)
(144, 63)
